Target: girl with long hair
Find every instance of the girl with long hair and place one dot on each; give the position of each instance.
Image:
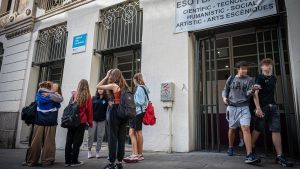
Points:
(136, 124)
(75, 135)
(116, 126)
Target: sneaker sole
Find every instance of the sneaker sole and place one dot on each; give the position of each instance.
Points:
(285, 165)
(130, 161)
(253, 162)
(77, 165)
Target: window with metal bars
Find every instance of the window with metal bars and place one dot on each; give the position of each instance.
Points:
(49, 5)
(51, 44)
(129, 62)
(120, 26)
(50, 52)
(52, 72)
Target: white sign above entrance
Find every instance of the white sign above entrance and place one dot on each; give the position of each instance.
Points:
(201, 14)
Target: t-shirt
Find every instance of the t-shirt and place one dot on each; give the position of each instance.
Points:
(238, 90)
(99, 108)
(266, 93)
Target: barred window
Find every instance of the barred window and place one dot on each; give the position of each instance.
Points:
(120, 26)
(50, 53)
(51, 44)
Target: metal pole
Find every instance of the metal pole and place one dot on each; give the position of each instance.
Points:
(200, 105)
(284, 83)
(196, 93)
(206, 96)
(211, 99)
(217, 94)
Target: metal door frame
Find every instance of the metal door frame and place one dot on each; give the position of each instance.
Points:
(201, 110)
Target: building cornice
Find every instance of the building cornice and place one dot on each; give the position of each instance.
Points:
(15, 24)
(63, 8)
(18, 28)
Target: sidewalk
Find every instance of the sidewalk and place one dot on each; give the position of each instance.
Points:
(12, 158)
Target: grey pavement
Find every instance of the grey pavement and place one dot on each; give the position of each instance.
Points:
(12, 159)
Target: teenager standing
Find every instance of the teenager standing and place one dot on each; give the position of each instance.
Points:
(99, 116)
(236, 96)
(48, 101)
(75, 135)
(115, 83)
(136, 124)
(267, 111)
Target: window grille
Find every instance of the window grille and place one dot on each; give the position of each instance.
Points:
(51, 44)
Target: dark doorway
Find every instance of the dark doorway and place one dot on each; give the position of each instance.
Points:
(215, 59)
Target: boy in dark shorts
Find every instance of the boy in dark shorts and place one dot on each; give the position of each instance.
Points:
(266, 109)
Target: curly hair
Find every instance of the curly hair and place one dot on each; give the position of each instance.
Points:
(46, 84)
(83, 92)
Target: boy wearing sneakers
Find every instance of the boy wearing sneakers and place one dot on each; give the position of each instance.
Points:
(266, 110)
(236, 95)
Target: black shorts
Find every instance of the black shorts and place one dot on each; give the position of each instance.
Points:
(272, 118)
(137, 122)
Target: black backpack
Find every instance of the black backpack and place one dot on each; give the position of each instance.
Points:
(127, 109)
(28, 113)
(71, 116)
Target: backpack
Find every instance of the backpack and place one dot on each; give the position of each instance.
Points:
(149, 117)
(126, 109)
(71, 116)
(29, 112)
(252, 106)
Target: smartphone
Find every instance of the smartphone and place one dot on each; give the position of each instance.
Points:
(257, 87)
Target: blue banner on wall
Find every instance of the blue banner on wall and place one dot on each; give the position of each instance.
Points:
(79, 43)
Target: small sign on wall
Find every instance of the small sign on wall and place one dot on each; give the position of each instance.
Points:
(167, 92)
(79, 43)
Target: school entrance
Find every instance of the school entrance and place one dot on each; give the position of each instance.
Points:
(216, 53)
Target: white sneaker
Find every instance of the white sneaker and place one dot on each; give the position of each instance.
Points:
(97, 155)
(90, 155)
(131, 159)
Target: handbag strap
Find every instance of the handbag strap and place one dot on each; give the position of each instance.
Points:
(145, 92)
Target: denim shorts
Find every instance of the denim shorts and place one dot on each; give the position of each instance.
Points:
(238, 116)
(272, 118)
